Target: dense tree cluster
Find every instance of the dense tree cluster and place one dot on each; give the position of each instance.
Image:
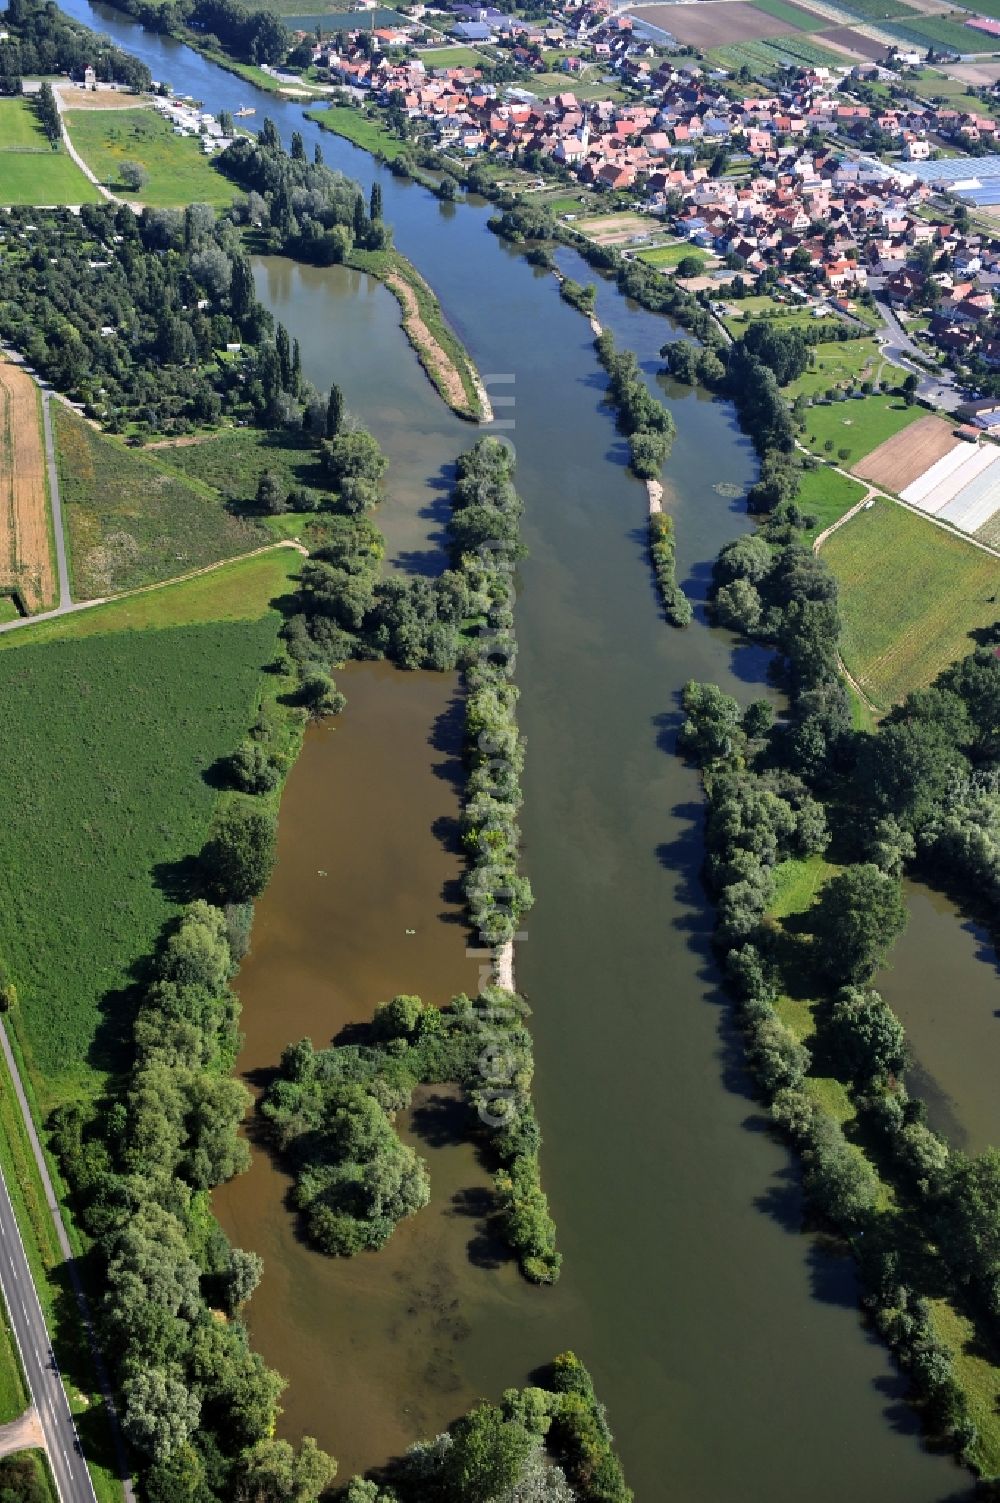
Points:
(248, 34)
(132, 317)
(646, 421)
(40, 38)
(198, 1406)
(484, 531)
(922, 791)
(583, 299)
(464, 616)
(758, 814)
(330, 1111)
(663, 552)
(786, 596)
(549, 1443)
(302, 208)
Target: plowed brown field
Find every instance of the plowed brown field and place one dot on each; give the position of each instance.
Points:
(900, 460)
(714, 25)
(25, 555)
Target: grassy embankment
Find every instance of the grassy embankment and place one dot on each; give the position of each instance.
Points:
(976, 1367)
(911, 594)
(13, 1390)
(179, 173)
(360, 128)
(30, 171)
(131, 520)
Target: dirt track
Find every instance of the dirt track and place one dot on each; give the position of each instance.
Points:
(903, 458)
(25, 555)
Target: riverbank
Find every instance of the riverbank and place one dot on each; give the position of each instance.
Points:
(447, 363)
(808, 905)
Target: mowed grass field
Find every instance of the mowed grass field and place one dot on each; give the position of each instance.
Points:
(179, 172)
(855, 428)
(132, 520)
(910, 594)
(671, 255)
(110, 794)
(237, 591)
(452, 57)
(838, 363)
(30, 171)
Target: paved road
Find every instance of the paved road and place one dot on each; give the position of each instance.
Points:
(69, 1469)
(74, 1279)
(898, 347)
(65, 599)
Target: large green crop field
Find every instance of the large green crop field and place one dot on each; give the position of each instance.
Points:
(30, 171)
(910, 594)
(132, 520)
(854, 428)
(108, 744)
(179, 172)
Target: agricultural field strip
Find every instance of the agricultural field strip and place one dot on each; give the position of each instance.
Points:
(976, 503)
(905, 456)
(25, 552)
(920, 490)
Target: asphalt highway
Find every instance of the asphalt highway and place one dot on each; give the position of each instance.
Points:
(69, 1468)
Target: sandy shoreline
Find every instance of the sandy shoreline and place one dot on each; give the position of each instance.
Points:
(503, 965)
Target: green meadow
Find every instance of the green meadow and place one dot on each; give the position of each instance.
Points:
(133, 520)
(179, 172)
(30, 171)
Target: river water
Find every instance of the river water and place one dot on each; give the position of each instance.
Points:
(726, 1345)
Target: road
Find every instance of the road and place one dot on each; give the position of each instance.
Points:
(898, 347)
(69, 1469)
(65, 599)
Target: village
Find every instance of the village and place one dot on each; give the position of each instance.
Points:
(825, 195)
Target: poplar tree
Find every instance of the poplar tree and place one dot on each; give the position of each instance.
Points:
(334, 411)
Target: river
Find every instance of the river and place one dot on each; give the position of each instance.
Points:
(726, 1346)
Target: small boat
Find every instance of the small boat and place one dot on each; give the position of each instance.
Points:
(245, 110)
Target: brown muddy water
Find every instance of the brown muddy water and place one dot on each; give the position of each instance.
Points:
(385, 1347)
(942, 983)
